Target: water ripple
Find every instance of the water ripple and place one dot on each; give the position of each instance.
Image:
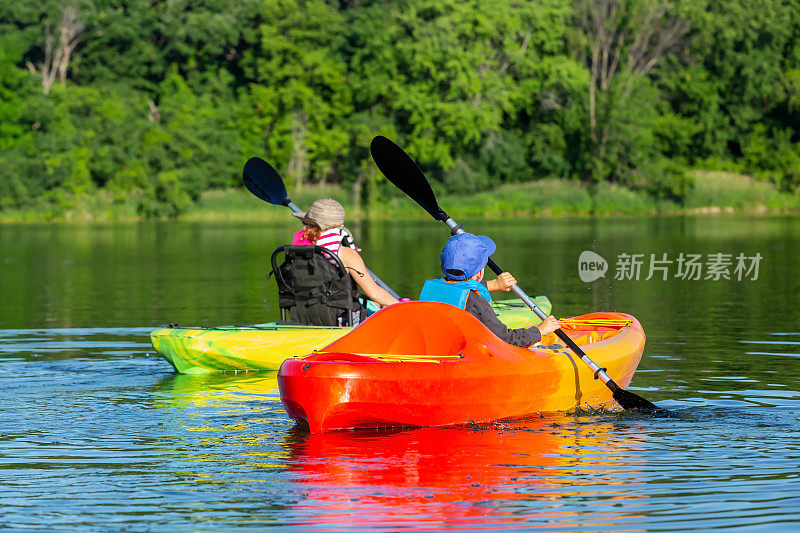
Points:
(109, 438)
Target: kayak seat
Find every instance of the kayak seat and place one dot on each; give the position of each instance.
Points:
(314, 288)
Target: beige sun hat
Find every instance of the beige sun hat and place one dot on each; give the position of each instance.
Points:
(326, 213)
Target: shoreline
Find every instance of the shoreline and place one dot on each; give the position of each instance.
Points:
(713, 193)
(221, 216)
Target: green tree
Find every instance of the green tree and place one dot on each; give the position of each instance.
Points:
(299, 90)
(17, 88)
(622, 43)
(740, 87)
(458, 81)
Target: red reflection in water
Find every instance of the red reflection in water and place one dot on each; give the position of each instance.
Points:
(432, 478)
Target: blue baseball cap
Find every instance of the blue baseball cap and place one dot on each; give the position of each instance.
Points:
(465, 254)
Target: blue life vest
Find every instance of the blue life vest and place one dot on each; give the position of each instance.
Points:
(453, 293)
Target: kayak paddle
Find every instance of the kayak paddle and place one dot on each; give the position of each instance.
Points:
(403, 172)
(263, 181)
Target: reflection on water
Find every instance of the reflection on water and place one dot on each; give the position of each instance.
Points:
(697, 469)
(242, 404)
(98, 433)
(176, 390)
(502, 474)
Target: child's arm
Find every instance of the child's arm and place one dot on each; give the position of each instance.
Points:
(503, 282)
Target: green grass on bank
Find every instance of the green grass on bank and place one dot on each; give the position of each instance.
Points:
(548, 197)
(102, 206)
(727, 191)
(713, 192)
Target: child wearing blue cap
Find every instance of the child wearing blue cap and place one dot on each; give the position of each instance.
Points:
(464, 259)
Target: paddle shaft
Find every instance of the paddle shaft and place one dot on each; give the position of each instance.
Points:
(598, 371)
(291, 205)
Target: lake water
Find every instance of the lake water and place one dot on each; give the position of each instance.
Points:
(98, 433)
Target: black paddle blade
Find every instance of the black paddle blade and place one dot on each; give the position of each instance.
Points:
(264, 181)
(401, 170)
(629, 400)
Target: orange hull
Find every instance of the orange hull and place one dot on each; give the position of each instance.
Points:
(431, 364)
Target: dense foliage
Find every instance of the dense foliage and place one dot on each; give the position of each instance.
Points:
(160, 100)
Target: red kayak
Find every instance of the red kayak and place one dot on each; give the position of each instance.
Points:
(433, 364)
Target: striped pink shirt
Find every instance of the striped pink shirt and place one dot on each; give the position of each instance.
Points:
(330, 240)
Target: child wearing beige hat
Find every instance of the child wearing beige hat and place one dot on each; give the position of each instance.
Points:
(324, 226)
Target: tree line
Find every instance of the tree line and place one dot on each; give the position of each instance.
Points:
(160, 100)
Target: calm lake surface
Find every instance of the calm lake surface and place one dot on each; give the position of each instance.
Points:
(98, 433)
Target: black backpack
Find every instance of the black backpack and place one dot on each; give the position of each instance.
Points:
(314, 288)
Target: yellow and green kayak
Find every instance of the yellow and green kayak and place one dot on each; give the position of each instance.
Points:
(266, 346)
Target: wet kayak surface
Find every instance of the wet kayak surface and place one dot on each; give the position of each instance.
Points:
(98, 433)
